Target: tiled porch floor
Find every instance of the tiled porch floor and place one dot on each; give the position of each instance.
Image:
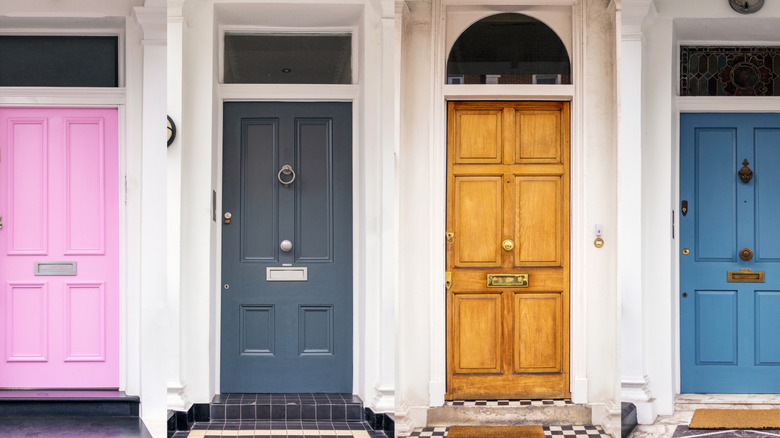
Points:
(676, 425)
(549, 432)
(250, 429)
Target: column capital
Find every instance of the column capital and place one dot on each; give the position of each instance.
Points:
(153, 22)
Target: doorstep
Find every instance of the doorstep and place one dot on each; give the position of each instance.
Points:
(55, 403)
(509, 412)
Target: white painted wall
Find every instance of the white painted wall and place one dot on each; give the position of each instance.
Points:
(140, 99)
(374, 176)
(663, 27)
(422, 166)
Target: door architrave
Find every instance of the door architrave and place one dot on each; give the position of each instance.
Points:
(442, 94)
(51, 97)
(290, 93)
(708, 104)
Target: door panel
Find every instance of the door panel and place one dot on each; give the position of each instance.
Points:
(478, 201)
(287, 336)
(538, 317)
(725, 329)
(59, 196)
(537, 224)
(479, 337)
(512, 185)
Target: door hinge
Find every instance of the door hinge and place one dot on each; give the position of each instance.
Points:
(450, 236)
(448, 279)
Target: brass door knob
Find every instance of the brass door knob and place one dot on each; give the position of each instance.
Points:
(508, 245)
(745, 254)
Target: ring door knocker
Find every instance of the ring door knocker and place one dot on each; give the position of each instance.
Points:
(286, 171)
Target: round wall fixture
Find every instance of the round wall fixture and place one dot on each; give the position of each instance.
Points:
(171, 130)
(746, 6)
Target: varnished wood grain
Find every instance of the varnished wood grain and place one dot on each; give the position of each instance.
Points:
(515, 189)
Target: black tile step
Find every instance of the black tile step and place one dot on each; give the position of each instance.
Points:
(35, 402)
(287, 407)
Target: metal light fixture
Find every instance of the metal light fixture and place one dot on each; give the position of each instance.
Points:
(746, 6)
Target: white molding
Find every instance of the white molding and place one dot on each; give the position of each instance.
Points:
(288, 93)
(62, 96)
(732, 104)
(508, 92)
(437, 183)
(153, 22)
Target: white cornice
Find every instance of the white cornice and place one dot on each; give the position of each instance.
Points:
(153, 23)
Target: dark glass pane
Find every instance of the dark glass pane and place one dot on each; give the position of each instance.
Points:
(288, 59)
(508, 49)
(729, 71)
(59, 61)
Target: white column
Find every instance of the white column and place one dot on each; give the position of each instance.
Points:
(384, 398)
(176, 384)
(634, 387)
(154, 312)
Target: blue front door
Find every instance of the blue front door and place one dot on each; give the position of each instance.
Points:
(730, 230)
(287, 247)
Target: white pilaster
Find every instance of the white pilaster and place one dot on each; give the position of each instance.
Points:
(154, 312)
(175, 33)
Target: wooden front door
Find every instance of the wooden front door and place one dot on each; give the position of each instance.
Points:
(508, 213)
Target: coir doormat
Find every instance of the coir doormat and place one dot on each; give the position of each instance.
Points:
(736, 419)
(495, 432)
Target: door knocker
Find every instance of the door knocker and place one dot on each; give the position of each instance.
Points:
(286, 170)
(745, 174)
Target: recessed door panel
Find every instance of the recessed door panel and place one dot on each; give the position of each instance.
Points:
(540, 137)
(716, 202)
(729, 167)
(767, 195)
(287, 249)
(478, 346)
(540, 317)
(27, 220)
(59, 247)
(481, 139)
(716, 327)
(479, 202)
(537, 224)
(259, 194)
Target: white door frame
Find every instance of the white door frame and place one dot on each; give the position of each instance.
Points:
(438, 177)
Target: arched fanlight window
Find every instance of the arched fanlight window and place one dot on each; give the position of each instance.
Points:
(508, 49)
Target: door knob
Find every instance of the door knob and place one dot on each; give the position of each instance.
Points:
(508, 245)
(286, 245)
(228, 216)
(745, 254)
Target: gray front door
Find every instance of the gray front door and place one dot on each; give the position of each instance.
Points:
(287, 248)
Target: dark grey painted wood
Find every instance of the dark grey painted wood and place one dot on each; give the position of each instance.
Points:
(287, 336)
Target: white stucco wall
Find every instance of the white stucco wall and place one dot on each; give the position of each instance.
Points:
(663, 27)
(591, 35)
(140, 100)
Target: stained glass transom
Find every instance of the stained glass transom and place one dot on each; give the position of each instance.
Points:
(729, 71)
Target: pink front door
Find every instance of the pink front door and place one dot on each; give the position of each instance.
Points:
(59, 205)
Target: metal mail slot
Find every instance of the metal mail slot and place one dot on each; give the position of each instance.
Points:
(55, 268)
(286, 274)
(745, 276)
(507, 280)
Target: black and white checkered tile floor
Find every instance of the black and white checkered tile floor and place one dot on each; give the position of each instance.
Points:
(510, 403)
(549, 432)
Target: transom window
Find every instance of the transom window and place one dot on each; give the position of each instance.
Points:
(59, 61)
(288, 58)
(508, 49)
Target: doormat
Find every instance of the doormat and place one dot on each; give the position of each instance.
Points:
(736, 419)
(495, 432)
